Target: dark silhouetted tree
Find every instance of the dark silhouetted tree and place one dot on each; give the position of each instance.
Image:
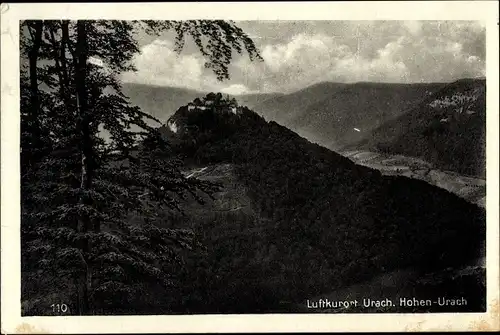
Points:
(92, 204)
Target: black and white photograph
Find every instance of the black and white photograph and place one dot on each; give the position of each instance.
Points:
(261, 166)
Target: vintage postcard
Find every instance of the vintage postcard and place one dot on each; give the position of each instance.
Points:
(249, 167)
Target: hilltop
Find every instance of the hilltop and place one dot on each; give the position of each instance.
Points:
(163, 101)
(294, 219)
(325, 113)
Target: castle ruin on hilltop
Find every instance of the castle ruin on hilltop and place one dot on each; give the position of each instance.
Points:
(216, 102)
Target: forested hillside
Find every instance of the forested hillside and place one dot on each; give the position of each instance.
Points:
(325, 113)
(335, 115)
(318, 221)
(448, 130)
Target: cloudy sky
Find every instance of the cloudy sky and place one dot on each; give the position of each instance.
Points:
(300, 53)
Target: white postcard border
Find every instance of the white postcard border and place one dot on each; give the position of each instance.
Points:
(11, 14)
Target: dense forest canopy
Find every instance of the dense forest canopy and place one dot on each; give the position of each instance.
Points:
(319, 221)
(447, 129)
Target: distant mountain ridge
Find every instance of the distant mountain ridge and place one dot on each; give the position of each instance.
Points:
(325, 113)
(448, 129)
(159, 101)
(352, 111)
(162, 101)
(381, 117)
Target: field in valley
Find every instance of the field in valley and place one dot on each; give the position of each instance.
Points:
(472, 189)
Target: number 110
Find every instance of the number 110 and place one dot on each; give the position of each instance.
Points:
(59, 308)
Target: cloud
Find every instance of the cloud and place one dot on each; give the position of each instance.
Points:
(159, 64)
(414, 27)
(397, 52)
(296, 51)
(382, 51)
(235, 89)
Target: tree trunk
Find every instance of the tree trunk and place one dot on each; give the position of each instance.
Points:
(82, 101)
(84, 224)
(34, 117)
(64, 42)
(59, 52)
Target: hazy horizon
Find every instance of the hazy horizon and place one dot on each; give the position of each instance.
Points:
(305, 87)
(298, 54)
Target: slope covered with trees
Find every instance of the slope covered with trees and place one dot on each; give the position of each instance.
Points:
(319, 222)
(448, 129)
(347, 116)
